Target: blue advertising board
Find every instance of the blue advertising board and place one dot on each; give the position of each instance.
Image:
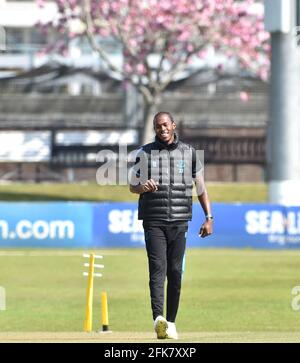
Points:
(249, 225)
(108, 225)
(117, 225)
(53, 224)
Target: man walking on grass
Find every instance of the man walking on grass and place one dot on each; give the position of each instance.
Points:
(163, 176)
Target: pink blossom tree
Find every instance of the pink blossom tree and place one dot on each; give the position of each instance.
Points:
(159, 38)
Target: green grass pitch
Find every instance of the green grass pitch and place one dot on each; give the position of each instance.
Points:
(219, 192)
(227, 295)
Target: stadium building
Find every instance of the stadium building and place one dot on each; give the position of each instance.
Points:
(59, 111)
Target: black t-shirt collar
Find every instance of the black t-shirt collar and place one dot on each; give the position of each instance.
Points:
(163, 145)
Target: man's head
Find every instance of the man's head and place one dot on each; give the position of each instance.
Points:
(164, 127)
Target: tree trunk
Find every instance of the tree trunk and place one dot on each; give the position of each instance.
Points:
(150, 109)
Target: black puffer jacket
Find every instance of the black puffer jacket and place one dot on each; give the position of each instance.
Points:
(171, 167)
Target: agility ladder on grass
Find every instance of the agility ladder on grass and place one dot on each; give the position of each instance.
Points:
(89, 294)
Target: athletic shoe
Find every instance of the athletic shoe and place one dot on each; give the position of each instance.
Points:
(171, 331)
(160, 327)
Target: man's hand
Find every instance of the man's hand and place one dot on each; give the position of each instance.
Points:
(150, 186)
(206, 228)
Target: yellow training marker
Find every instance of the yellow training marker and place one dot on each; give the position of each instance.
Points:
(89, 296)
(88, 322)
(104, 311)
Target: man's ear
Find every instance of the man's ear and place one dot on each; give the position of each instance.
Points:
(174, 126)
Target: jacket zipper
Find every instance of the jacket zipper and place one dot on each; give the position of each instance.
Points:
(169, 211)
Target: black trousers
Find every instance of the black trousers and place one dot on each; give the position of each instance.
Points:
(165, 249)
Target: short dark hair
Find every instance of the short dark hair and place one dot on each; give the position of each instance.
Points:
(160, 114)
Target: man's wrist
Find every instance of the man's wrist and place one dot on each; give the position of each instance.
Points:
(209, 217)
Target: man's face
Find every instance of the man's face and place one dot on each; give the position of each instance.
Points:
(164, 128)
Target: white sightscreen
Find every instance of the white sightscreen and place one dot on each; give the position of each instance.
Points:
(25, 146)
